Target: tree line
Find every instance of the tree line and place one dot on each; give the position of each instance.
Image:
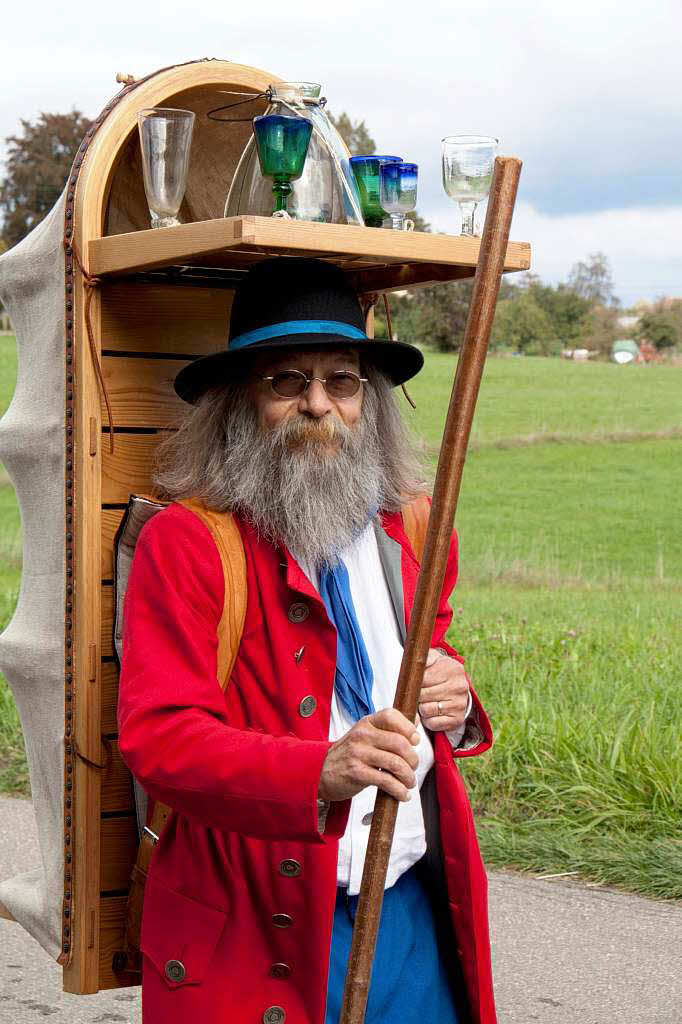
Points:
(532, 318)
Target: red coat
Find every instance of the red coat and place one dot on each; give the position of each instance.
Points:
(241, 880)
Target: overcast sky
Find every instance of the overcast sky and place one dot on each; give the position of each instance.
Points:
(587, 94)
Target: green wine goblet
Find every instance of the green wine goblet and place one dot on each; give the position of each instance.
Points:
(282, 145)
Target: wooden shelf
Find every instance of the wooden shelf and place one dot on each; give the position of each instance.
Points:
(378, 259)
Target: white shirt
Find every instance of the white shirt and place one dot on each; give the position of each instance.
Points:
(379, 628)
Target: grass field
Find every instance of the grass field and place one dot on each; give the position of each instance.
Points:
(567, 611)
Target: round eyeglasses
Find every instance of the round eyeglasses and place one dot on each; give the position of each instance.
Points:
(292, 383)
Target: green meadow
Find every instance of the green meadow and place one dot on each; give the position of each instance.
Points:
(567, 611)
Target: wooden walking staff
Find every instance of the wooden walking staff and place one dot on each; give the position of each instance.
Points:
(423, 619)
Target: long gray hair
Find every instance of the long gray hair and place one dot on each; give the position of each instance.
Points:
(279, 479)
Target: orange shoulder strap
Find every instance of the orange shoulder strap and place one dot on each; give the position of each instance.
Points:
(228, 540)
(231, 549)
(415, 522)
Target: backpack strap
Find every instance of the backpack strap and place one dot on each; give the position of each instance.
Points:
(230, 547)
(415, 522)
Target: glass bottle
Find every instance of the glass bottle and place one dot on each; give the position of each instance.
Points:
(326, 190)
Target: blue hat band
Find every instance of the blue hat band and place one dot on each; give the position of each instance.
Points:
(296, 327)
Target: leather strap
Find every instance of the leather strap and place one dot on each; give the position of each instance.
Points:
(230, 547)
(228, 541)
(138, 879)
(415, 523)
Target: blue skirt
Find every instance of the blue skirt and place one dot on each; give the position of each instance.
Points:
(409, 982)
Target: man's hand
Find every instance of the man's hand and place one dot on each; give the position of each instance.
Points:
(377, 751)
(445, 693)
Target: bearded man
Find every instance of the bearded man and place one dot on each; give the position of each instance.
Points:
(252, 889)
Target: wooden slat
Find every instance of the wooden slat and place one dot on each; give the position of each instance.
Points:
(109, 684)
(190, 243)
(116, 784)
(112, 911)
(118, 852)
(407, 275)
(142, 317)
(141, 391)
(128, 470)
(110, 520)
(136, 250)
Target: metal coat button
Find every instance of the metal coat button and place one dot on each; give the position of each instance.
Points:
(307, 707)
(298, 612)
(289, 868)
(274, 1015)
(282, 920)
(174, 970)
(367, 818)
(280, 971)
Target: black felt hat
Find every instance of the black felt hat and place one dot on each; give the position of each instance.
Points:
(290, 303)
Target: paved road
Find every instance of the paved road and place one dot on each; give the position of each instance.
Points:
(563, 953)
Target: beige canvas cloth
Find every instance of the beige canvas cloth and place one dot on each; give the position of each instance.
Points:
(32, 645)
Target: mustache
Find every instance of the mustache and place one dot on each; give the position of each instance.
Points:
(304, 431)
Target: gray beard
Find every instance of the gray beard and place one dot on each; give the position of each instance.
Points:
(312, 484)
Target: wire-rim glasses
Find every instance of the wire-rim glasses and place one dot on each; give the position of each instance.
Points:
(292, 383)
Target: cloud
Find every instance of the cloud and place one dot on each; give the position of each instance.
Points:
(642, 245)
(587, 93)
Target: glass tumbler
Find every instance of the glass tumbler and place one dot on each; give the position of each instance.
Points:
(398, 192)
(165, 139)
(366, 173)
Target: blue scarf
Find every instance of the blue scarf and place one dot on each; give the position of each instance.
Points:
(354, 676)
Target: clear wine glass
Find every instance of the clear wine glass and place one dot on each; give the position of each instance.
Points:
(165, 139)
(398, 192)
(468, 163)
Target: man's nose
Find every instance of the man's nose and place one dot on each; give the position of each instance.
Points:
(315, 400)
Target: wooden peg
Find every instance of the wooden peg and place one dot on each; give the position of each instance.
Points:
(93, 435)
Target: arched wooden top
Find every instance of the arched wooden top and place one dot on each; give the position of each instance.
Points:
(110, 195)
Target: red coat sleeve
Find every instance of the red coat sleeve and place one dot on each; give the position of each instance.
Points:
(478, 736)
(173, 732)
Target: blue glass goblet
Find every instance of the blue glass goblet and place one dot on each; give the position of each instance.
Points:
(282, 144)
(398, 191)
(366, 173)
